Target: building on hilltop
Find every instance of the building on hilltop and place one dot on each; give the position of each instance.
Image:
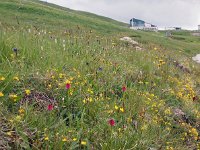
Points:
(137, 24)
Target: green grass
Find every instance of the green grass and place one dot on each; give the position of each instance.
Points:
(143, 91)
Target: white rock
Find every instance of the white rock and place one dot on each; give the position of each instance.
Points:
(196, 58)
(128, 39)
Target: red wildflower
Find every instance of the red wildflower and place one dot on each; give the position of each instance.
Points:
(68, 85)
(50, 107)
(111, 122)
(123, 88)
(195, 98)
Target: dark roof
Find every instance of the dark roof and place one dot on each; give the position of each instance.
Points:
(137, 20)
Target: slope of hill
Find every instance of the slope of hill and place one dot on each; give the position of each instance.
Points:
(68, 82)
(42, 14)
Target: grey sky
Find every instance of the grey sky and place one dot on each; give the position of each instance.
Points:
(164, 13)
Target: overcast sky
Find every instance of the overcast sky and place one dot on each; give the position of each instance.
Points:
(163, 13)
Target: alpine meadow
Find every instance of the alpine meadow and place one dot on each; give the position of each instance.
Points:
(75, 80)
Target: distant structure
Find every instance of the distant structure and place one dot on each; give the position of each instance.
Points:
(137, 24)
(173, 28)
(199, 27)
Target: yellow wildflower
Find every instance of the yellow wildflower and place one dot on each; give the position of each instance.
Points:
(60, 75)
(13, 97)
(18, 118)
(168, 111)
(90, 99)
(140, 82)
(12, 55)
(83, 143)
(9, 133)
(1, 94)
(84, 101)
(109, 111)
(168, 129)
(74, 139)
(64, 139)
(21, 110)
(71, 78)
(2, 78)
(169, 148)
(194, 132)
(90, 91)
(49, 86)
(71, 92)
(67, 82)
(121, 109)
(16, 78)
(11, 120)
(129, 120)
(116, 107)
(70, 131)
(46, 138)
(28, 92)
(120, 129)
(144, 127)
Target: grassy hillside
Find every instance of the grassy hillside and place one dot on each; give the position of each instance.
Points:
(68, 82)
(45, 15)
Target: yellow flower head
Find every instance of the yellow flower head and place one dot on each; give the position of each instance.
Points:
(46, 138)
(168, 111)
(71, 78)
(83, 143)
(28, 92)
(74, 139)
(9, 133)
(90, 99)
(64, 139)
(116, 107)
(49, 86)
(12, 55)
(21, 111)
(194, 132)
(84, 101)
(1, 94)
(16, 78)
(2, 78)
(13, 97)
(121, 109)
(18, 118)
(61, 75)
(129, 120)
(144, 127)
(90, 91)
(67, 82)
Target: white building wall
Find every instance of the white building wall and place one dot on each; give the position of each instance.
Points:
(170, 28)
(147, 25)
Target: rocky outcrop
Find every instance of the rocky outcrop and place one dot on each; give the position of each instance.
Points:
(196, 58)
(132, 42)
